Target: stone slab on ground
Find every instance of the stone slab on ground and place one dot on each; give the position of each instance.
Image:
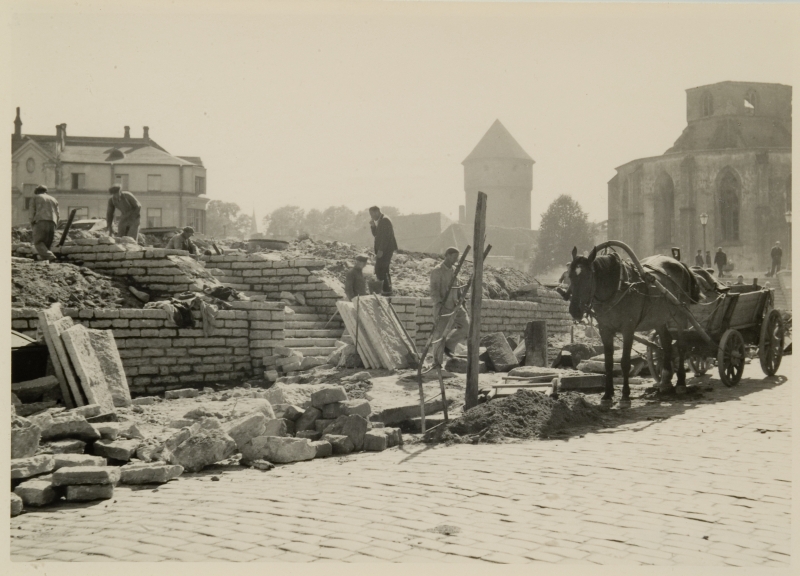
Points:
(150, 473)
(202, 449)
(410, 411)
(346, 408)
(65, 460)
(87, 493)
(245, 406)
(16, 505)
(276, 427)
(585, 383)
(105, 348)
(243, 429)
(278, 450)
(328, 395)
(92, 378)
(67, 379)
(323, 448)
(31, 466)
(103, 418)
(36, 492)
(341, 444)
(33, 408)
(107, 430)
(182, 393)
(33, 389)
(308, 419)
(375, 440)
(25, 436)
(122, 450)
(88, 411)
(459, 366)
(75, 475)
(310, 434)
(354, 427)
(66, 447)
(500, 357)
(294, 394)
(292, 413)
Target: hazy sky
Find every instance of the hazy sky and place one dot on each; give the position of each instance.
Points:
(379, 103)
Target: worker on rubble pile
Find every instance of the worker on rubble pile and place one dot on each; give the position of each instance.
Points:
(182, 241)
(44, 220)
(130, 212)
(385, 245)
(354, 282)
(445, 305)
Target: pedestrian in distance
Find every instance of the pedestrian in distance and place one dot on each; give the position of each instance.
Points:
(44, 220)
(354, 282)
(739, 280)
(130, 212)
(182, 241)
(776, 254)
(708, 259)
(385, 246)
(698, 259)
(445, 305)
(720, 260)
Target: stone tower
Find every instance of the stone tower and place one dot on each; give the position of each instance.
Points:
(499, 167)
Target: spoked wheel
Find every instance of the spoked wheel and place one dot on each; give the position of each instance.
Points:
(699, 364)
(770, 347)
(730, 358)
(655, 358)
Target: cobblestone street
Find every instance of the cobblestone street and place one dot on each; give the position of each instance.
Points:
(709, 484)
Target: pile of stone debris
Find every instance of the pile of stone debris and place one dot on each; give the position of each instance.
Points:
(83, 453)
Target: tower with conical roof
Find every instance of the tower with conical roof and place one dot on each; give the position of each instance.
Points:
(499, 167)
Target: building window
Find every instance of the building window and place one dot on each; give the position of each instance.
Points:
(122, 180)
(199, 184)
(664, 211)
(196, 219)
(78, 181)
(154, 183)
(708, 104)
(81, 212)
(154, 217)
(30, 165)
(751, 101)
(729, 207)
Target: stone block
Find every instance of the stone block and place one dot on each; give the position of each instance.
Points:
(375, 440)
(87, 493)
(276, 427)
(180, 423)
(341, 444)
(245, 406)
(25, 436)
(308, 419)
(292, 413)
(129, 430)
(92, 378)
(323, 448)
(66, 460)
(66, 447)
(279, 450)
(150, 473)
(31, 466)
(459, 366)
(202, 449)
(244, 429)
(72, 475)
(354, 427)
(16, 505)
(310, 434)
(295, 394)
(121, 450)
(107, 430)
(347, 408)
(105, 349)
(145, 400)
(36, 492)
(103, 418)
(321, 424)
(182, 393)
(328, 395)
(393, 437)
(88, 411)
(33, 389)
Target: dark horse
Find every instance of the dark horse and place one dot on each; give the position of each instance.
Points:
(613, 291)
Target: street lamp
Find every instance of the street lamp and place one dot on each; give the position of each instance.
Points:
(704, 221)
(788, 216)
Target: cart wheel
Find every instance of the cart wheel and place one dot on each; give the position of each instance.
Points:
(731, 356)
(770, 347)
(655, 358)
(699, 364)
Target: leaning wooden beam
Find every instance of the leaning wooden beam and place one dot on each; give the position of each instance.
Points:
(473, 342)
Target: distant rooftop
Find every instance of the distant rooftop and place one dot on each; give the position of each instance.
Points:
(498, 143)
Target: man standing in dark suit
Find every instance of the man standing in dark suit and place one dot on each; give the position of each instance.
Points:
(385, 245)
(720, 260)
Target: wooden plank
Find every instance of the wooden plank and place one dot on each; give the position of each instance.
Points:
(46, 317)
(473, 341)
(54, 328)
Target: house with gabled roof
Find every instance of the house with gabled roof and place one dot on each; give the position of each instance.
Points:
(78, 170)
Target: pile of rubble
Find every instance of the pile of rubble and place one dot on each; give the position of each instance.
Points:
(83, 453)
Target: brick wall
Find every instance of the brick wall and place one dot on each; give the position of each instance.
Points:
(157, 356)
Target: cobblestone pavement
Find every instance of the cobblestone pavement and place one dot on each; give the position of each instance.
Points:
(708, 485)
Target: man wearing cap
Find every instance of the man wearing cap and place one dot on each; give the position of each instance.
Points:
(445, 305)
(354, 283)
(720, 260)
(44, 219)
(182, 241)
(385, 245)
(130, 212)
(698, 259)
(776, 254)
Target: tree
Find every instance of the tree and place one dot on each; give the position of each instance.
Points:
(564, 225)
(284, 223)
(313, 224)
(338, 222)
(243, 226)
(221, 218)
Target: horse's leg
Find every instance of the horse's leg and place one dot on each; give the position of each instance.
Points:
(666, 372)
(627, 343)
(607, 336)
(680, 387)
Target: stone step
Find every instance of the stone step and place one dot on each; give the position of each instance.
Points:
(297, 317)
(314, 325)
(299, 309)
(306, 333)
(323, 351)
(299, 343)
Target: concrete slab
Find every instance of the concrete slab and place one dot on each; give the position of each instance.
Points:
(67, 379)
(105, 348)
(92, 378)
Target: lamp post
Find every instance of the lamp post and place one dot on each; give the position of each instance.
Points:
(788, 216)
(704, 221)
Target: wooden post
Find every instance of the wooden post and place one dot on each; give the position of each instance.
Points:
(473, 342)
(536, 343)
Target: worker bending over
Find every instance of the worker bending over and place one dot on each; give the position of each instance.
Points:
(354, 283)
(182, 241)
(445, 305)
(130, 212)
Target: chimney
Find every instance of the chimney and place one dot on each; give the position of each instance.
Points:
(127, 132)
(462, 214)
(146, 133)
(17, 126)
(63, 136)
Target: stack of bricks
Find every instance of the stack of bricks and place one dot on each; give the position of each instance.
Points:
(264, 274)
(158, 270)
(157, 356)
(406, 308)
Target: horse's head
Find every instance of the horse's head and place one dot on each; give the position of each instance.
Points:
(582, 283)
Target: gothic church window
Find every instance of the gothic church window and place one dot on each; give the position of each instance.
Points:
(728, 199)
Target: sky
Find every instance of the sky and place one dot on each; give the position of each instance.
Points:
(378, 103)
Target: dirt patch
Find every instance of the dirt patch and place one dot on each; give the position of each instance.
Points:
(525, 414)
(39, 284)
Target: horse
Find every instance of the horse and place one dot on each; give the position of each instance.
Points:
(613, 291)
